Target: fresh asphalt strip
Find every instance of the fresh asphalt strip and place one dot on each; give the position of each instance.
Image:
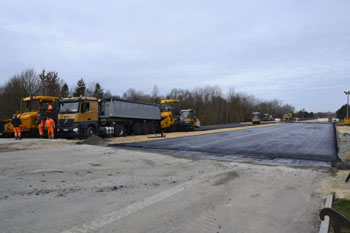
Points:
(225, 126)
(316, 142)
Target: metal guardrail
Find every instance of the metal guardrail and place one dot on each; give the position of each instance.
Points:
(337, 220)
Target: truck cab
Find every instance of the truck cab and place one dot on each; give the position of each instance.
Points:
(256, 117)
(77, 117)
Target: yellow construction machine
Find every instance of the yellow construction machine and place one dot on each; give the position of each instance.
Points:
(256, 117)
(287, 117)
(28, 115)
(173, 118)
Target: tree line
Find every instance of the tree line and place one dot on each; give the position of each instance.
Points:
(29, 83)
(211, 104)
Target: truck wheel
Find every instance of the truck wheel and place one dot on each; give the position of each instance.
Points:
(119, 131)
(145, 129)
(152, 129)
(137, 129)
(90, 132)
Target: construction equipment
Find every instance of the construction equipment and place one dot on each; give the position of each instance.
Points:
(188, 120)
(287, 117)
(256, 117)
(28, 115)
(174, 119)
(266, 117)
(85, 116)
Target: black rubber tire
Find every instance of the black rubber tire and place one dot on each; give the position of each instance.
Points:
(152, 129)
(90, 132)
(119, 131)
(137, 129)
(145, 129)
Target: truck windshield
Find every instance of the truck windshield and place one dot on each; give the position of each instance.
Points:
(69, 107)
(256, 115)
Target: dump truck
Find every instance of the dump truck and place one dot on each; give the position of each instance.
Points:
(81, 117)
(287, 117)
(256, 117)
(29, 115)
(175, 119)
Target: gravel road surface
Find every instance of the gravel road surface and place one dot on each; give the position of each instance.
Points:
(57, 187)
(300, 141)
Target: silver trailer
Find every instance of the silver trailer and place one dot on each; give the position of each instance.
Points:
(119, 108)
(120, 117)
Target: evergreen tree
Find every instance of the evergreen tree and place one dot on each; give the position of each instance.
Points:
(64, 90)
(98, 92)
(80, 88)
(341, 112)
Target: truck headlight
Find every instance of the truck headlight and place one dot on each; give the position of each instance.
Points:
(76, 130)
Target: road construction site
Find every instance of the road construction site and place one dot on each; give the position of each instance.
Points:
(186, 183)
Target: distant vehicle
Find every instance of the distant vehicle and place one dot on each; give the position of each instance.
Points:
(330, 119)
(266, 117)
(287, 117)
(256, 117)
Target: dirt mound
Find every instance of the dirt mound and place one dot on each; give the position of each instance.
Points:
(94, 140)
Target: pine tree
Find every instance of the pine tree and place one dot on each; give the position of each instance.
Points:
(98, 92)
(80, 88)
(64, 90)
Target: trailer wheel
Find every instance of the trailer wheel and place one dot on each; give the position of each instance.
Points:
(137, 129)
(145, 129)
(90, 132)
(152, 129)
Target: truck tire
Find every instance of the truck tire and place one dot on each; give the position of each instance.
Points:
(90, 132)
(152, 129)
(137, 129)
(145, 129)
(119, 131)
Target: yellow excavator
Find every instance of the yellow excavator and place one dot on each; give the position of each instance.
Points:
(175, 119)
(30, 107)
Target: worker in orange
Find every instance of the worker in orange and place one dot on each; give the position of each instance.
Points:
(16, 121)
(40, 122)
(50, 125)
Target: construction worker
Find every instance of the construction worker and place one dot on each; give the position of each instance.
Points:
(16, 121)
(40, 121)
(50, 125)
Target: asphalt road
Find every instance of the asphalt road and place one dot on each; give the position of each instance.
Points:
(300, 141)
(243, 124)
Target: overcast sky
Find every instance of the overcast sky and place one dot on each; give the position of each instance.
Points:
(293, 50)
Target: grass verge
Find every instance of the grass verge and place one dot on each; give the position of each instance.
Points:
(343, 207)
